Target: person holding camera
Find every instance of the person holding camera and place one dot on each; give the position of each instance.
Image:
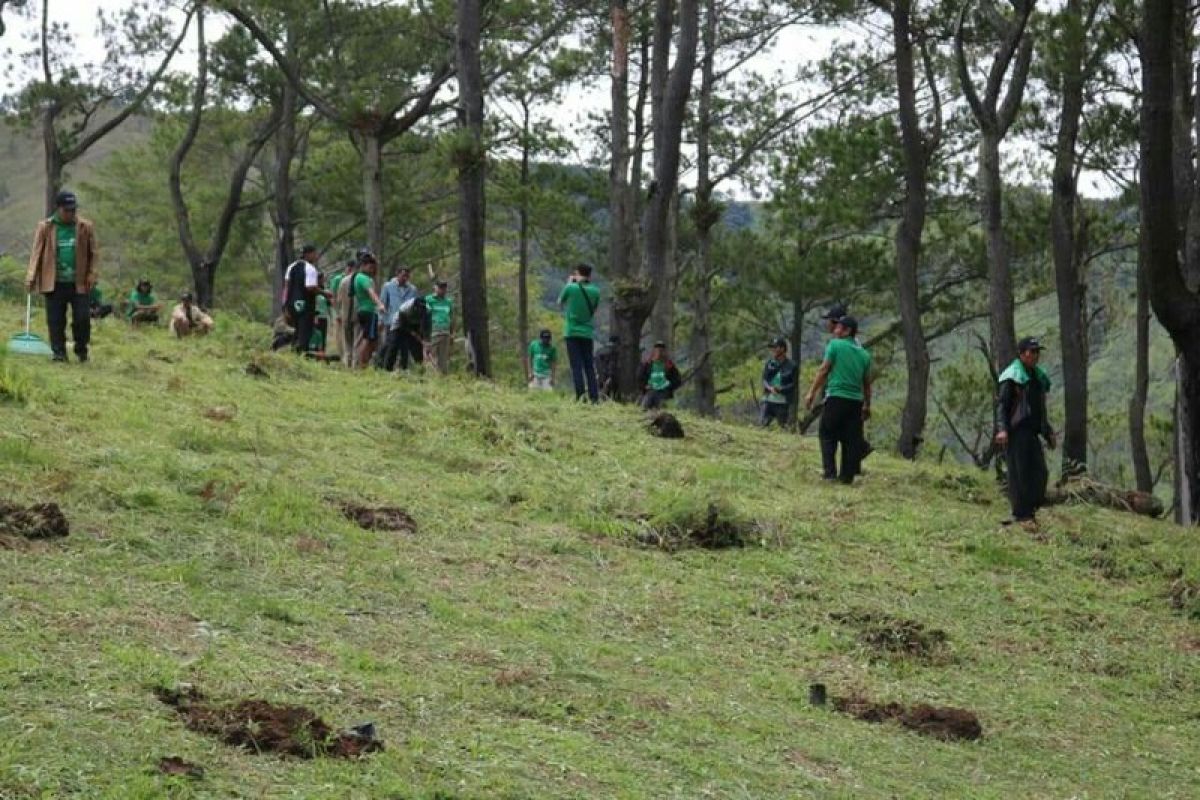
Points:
(579, 300)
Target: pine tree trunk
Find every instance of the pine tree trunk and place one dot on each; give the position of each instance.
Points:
(54, 163)
(1141, 382)
(372, 175)
(1000, 285)
(706, 218)
(908, 238)
(1070, 281)
(285, 223)
(471, 187)
(523, 242)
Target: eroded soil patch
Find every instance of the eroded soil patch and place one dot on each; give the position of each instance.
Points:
(713, 529)
(945, 723)
(39, 521)
(263, 727)
(893, 636)
(381, 518)
(667, 426)
(173, 765)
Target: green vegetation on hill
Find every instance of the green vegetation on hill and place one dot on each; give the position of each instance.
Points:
(523, 642)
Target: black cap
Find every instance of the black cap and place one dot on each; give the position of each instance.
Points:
(145, 282)
(835, 312)
(367, 258)
(441, 283)
(308, 248)
(186, 297)
(779, 341)
(545, 334)
(850, 322)
(65, 199)
(1029, 343)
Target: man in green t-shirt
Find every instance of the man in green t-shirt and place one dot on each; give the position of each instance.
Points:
(541, 362)
(579, 300)
(367, 308)
(845, 375)
(143, 306)
(441, 325)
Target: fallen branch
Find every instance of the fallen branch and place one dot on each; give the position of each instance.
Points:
(1086, 490)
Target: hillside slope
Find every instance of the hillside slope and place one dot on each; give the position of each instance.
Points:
(522, 642)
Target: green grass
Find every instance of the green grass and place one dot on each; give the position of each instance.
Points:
(520, 644)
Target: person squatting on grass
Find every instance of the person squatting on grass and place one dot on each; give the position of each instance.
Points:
(541, 362)
(188, 320)
(1021, 419)
(579, 300)
(779, 378)
(143, 306)
(367, 309)
(845, 375)
(659, 378)
(63, 268)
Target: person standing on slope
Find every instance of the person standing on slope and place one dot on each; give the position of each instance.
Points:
(441, 325)
(579, 300)
(62, 267)
(845, 375)
(300, 296)
(367, 310)
(1021, 423)
(778, 384)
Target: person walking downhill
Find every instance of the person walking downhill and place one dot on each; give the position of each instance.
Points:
(441, 325)
(845, 375)
(779, 377)
(579, 300)
(397, 292)
(1021, 419)
(541, 362)
(659, 378)
(367, 310)
(63, 268)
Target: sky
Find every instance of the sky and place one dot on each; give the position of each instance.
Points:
(794, 48)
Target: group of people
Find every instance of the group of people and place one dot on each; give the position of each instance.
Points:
(414, 328)
(63, 268)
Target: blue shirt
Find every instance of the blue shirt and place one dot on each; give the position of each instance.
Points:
(394, 296)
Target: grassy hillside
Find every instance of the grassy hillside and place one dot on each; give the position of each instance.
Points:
(522, 642)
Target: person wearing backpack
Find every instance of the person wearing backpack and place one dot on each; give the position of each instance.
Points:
(1021, 421)
(659, 378)
(579, 300)
(300, 296)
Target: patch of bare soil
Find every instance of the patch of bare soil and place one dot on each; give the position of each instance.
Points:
(382, 518)
(220, 413)
(264, 727)
(945, 723)
(255, 371)
(894, 636)
(714, 530)
(666, 426)
(173, 765)
(1185, 596)
(39, 521)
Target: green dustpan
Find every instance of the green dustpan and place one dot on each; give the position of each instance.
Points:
(28, 344)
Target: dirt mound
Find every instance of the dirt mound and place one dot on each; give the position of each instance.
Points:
(894, 636)
(1185, 596)
(714, 530)
(264, 727)
(381, 518)
(666, 426)
(945, 723)
(255, 371)
(173, 765)
(41, 521)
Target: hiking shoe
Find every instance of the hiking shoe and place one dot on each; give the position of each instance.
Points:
(59, 358)
(82, 357)
(1029, 525)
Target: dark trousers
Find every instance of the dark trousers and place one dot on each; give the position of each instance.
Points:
(304, 327)
(773, 411)
(654, 398)
(583, 367)
(1027, 473)
(64, 298)
(841, 424)
(403, 345)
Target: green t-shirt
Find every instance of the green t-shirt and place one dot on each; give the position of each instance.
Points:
(658, 376)
(335, 280)
(136, 299)
(777, 382)
(64, 249)
(95, 298)
(579, 302)
(542, 358)
(851, 366)
(362, 293)
(322, 306)
(440, 309)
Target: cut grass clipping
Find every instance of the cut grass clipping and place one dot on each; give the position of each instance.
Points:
(681, 525)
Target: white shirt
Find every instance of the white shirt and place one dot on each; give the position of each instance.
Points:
(311, 274)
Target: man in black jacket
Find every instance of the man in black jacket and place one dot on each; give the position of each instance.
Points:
(779, 385)
(1020, 420)
(658, 377)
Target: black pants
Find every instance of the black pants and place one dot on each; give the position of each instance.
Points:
(773, 411)
(58, 302)
(304, 327)
(583, 367)
(403, 345)
(101, 310)
(654, 398)
(1027, 473)
(841, 424)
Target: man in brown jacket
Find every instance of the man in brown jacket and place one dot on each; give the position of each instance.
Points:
(62, 266)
